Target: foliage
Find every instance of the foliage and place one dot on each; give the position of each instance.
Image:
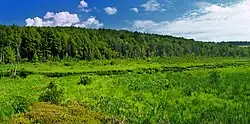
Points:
(112, 63)
(53, 94)
(23, 74)
(67, 64)
(10, 56)
(215, 77)
(84, 80)
(46, 113)
(57, 43)
(170, 90)
(19, 104)
(35, 57)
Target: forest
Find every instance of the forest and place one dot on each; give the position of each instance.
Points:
(238, 43)
(57, 43)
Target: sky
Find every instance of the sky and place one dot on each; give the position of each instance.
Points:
(203, 20)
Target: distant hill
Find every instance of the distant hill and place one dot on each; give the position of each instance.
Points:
(55, 43)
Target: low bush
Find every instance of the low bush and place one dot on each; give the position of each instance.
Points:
(112, 63)
(53, 94)
(214, 77)
(19, 104)
(67, 64)
(45, 113)
(84, 80)
(23, 74)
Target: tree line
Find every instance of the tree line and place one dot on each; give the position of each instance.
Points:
(57, 43)
(238, 43)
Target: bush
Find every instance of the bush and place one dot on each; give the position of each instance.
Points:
(84, 80)
(67, 64)
(44, 113)
(20, 104)
(35, 57)
(25, 60)
(53, 94)
(112, 63)
(214, 77)
(9, 56)
(23, 74)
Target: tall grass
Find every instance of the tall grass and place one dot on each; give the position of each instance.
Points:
(191, 96)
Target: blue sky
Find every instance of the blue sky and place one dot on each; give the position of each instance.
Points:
(207, 20)
(16, 11)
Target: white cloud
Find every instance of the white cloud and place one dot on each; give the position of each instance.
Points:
(63, 19)
(208, 7)
(110, 10)
(83, 6)
(152, 5)
(134, 9)
(49, 15)
(34, 22)
(92, 22)
(210, 23)
(60, 19)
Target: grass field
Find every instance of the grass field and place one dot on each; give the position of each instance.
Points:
(146, 91)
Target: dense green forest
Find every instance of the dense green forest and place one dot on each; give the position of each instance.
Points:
(55, 43)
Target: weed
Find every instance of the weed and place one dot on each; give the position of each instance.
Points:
(84, 80)
(19, 104)
(53, 94)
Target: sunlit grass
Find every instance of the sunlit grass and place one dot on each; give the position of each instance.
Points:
(194, 96)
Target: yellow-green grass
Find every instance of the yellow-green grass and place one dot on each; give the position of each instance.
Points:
(180, 97)
(117, 64)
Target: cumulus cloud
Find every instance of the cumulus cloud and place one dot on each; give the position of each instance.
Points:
(34, 22)
(211, 22)
(110, 10)
(92, 22)
(152, 5)
(60, 19)
(83, 6)
(134, 9)
(54, 19)
(63, 19)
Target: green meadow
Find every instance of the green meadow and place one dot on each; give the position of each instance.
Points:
(177, 90)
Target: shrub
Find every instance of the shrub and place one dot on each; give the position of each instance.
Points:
(84, 80)
(9, 56)
(112, 63)
(67, 64)
(25, 60)
(35, 57)
(53, 94)
(20, 104)
(44, 113)
(214, 77)
(23, 74)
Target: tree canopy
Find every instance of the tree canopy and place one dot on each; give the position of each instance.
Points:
(56, 43)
